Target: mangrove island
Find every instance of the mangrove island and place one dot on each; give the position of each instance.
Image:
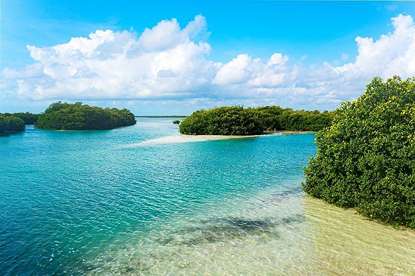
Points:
(10, 124)
(236, 120)
(78, 116)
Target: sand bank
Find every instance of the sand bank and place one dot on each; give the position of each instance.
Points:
(181, 138)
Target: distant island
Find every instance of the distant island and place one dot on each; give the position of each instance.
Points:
(78, 116)
(27, 117)
(65, 116)
(15, 122)
(236, 120)
(10, 124)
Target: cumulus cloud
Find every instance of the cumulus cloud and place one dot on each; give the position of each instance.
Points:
(253, 72)
(168, 61)
(164, 61)
(391, 54)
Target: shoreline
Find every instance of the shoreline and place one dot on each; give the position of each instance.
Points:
(273, 133)
(290, 132)
(186, 138)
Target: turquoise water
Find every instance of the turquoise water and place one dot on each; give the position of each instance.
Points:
(141, 201)
(68, 196)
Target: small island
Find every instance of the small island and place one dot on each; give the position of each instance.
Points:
(78, 116)
(27, 117)
(10, 124)
(236, 120)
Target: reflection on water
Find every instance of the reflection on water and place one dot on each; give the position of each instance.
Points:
(276, 232)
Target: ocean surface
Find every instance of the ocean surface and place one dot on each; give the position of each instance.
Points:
(141, 201)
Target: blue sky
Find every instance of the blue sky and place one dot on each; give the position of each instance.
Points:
(308, 33)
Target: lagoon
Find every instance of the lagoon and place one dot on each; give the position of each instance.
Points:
(134, 200)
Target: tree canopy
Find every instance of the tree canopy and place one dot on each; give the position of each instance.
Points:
(27, 117)
(78, 116)
(236, 120)
(366, 158)
(10, 124)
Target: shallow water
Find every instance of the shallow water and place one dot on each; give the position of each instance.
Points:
(276, 232)
(93, 202)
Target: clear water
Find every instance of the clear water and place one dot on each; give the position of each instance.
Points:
(110, 202)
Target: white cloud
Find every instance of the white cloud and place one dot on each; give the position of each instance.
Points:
(235, 71)
(253, 72)
(170, 62)
(391, 54)
(165, 61)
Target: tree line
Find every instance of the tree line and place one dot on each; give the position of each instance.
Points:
(237, 120)
(10, 124)
(15, 122)
(78, 116)
(65, 116)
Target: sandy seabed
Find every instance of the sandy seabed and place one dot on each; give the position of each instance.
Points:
(276, 232)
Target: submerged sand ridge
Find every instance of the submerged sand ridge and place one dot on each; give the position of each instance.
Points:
(182, 138)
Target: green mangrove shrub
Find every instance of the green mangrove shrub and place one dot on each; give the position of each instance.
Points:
(237, 120)
(27, 117)
(10, 124)
(78, 116)
(366, 158)
(222, 121)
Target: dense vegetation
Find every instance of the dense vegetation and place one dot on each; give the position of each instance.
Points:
(28, 118)
(366, 159)
(79, 116)
(10, 124)
(249, 121)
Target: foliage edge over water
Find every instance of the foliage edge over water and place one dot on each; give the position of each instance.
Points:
(236, 120)
(366, 158)
(10, 124)
(78, 116)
